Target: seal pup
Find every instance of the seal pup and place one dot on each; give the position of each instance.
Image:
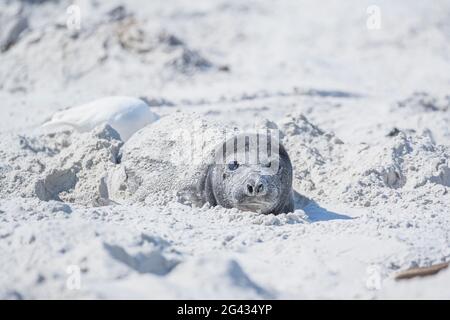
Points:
(252, 172)
(124, 114)
(181, 158)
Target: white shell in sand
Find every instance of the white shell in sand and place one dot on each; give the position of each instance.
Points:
(125, 114)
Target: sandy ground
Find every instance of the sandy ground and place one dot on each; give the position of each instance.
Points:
(366, 117)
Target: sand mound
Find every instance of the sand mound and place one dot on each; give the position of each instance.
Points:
(75, 175)
(24, 158)
(66, 166)
(312, 152)
(387, 172)
(163, 162)
(326, 169)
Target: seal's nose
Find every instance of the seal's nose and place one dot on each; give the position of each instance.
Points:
(256, 188)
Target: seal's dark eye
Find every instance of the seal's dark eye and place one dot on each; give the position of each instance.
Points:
(233, 165)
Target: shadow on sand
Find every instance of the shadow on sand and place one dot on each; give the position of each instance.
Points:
(314, 211)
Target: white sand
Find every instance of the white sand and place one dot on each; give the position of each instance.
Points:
(365, 116)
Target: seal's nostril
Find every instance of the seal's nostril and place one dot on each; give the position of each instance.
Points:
(259, 188)
(250, 189)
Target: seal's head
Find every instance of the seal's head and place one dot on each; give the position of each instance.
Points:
(253, 173)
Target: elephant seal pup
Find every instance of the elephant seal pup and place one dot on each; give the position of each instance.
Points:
(183, 157)
(252, 172)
